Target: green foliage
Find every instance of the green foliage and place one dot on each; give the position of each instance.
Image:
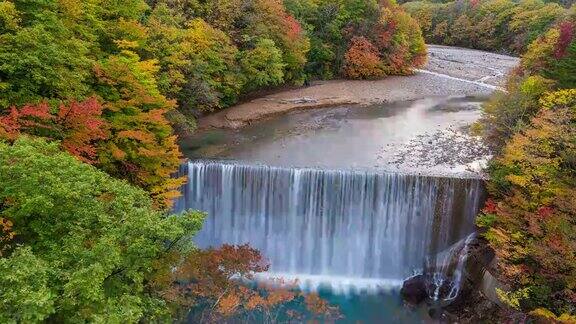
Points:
(26, 295)
(262, 65)
(91, 243)
(534, 231)
(336, 28)
(212, 76)
(547, 64)
(40, 56)
(272, 21)
(209, 54)
(495, 25)
(507, 113)
(330, 24)
(55, 53)
(485, 220)
(101, 80)
(400, 41)
(197, 62)
(140, 61)
(513, 299)
(91, 248)
(9, 17)
(561, 68)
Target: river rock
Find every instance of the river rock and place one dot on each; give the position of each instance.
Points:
(413, 290)
(420, 288)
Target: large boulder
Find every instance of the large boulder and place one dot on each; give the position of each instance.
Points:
(436, 288)
(414, 290)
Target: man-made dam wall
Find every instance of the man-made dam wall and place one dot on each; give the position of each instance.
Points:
(328, 223)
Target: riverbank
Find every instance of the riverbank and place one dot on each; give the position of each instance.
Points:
(449, 72)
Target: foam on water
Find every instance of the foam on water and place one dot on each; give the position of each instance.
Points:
(335, 284)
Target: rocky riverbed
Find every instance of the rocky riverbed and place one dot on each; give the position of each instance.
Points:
(450, 71)
(426, 136)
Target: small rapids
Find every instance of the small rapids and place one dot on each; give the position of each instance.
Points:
(446, 270)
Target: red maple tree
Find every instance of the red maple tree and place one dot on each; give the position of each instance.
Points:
(77, 125)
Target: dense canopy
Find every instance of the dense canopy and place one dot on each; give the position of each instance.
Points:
(91, 92)
(132, 71)
(494, 25)
(86, 245)
(531, 219)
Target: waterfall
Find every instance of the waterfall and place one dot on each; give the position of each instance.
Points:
(331, 224)
(446, 269)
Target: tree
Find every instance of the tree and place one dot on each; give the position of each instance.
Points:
(532, 227)
(85, 247)
(198, 64)
(546, 65)
(6, 235)
(441, 32)
(495, 25)
(26, 295)
(40, 56)
(213, 286)
(262, 65)
(506, 114)
(335, 29)
(87, 244)
(9, 17)
(224, 15)
(530, 218)
(399, 41)
(462, 31)
(362, 60)
(531, 18)
(561, 67)
(78, 126)
(269, 19)
(331, 25)
(212, 76)
(141, 147)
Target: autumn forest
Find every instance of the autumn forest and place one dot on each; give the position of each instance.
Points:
(95, 95)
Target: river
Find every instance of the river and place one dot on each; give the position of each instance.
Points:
(351, 186)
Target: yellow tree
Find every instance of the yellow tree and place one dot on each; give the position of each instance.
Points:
(141, 148)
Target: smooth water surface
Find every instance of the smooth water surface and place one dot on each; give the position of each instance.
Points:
(427, 136)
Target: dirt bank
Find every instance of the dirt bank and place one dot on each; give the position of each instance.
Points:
(449, 72)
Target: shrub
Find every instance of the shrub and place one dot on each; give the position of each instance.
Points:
(362, 60)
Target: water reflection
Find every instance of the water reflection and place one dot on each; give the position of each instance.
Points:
(355, 137)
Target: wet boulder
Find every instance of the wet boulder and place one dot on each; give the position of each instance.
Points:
(414, 290)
